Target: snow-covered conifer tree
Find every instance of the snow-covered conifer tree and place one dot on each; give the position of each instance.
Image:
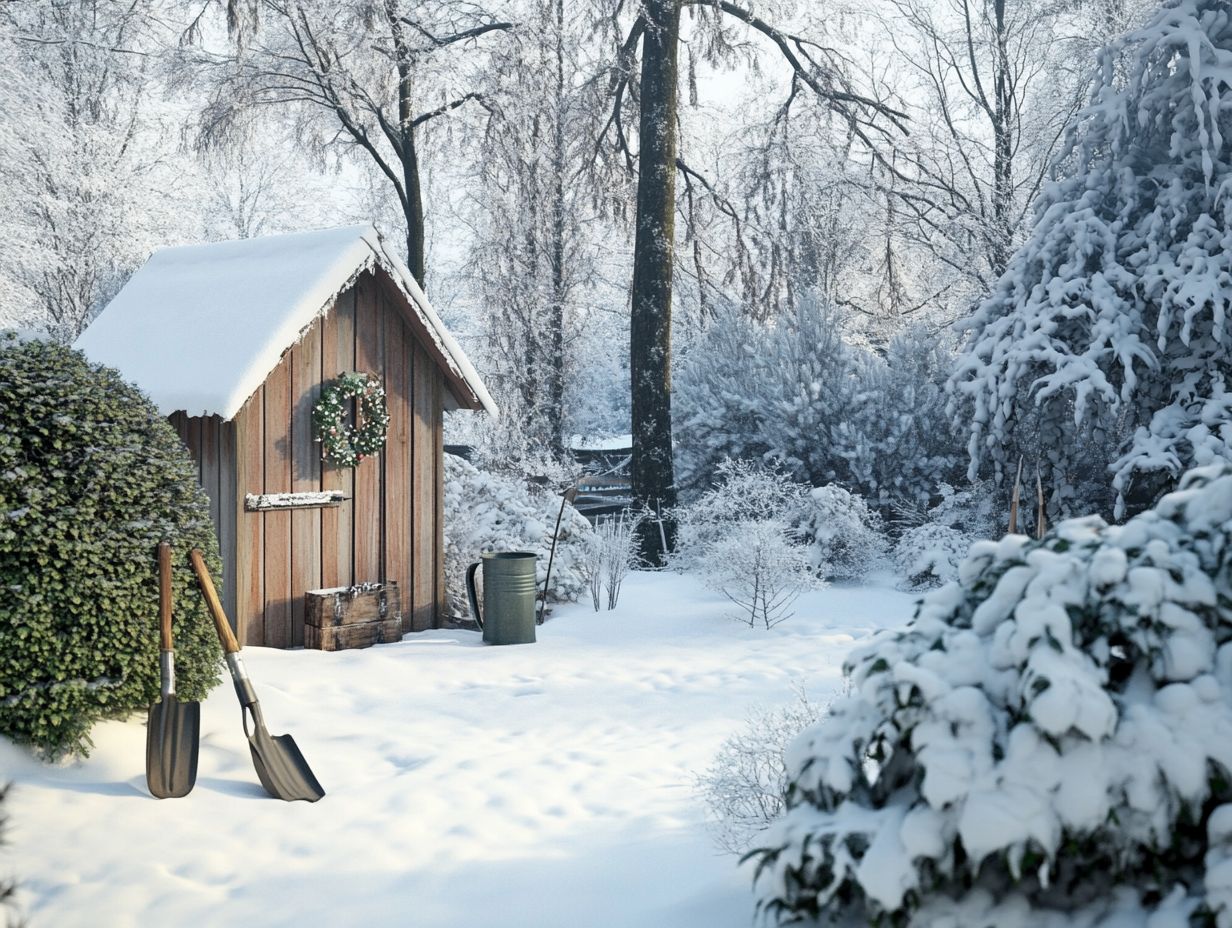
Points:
(1104, 350)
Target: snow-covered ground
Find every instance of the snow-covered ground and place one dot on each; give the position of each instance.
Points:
(540, 785)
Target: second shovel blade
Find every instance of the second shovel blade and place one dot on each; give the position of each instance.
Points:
(281, 767)
(171, 747)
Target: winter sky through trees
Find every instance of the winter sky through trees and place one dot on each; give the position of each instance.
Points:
(880, 161)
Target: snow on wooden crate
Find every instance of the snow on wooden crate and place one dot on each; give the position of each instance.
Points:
(352, 617)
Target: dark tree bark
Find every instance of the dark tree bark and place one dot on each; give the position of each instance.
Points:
(297, 56)
(650, 324)
(556, 320)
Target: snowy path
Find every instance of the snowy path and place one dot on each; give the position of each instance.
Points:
(538, 786)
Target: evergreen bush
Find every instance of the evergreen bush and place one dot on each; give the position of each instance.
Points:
(1051, 735)
(91, 479)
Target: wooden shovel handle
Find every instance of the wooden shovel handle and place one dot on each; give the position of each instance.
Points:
(223, 627)
(164, 595)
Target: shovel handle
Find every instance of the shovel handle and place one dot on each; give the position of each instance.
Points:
(221, 625)
(164, 595)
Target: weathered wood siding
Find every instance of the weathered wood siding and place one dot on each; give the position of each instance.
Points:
(212, 445)
(391, 527)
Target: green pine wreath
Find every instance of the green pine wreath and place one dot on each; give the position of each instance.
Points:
(346, 445)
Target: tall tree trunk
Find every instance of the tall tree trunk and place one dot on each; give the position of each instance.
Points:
(408, 155)
(556, 370)
(414, 209)
(650, 326)
(1003, 146)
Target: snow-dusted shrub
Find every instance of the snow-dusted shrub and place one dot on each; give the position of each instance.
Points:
(743, 491)
(979, 509)
(92, 478)
(928, 555)
(617, 539)
(843, 535)
(928, 552)
(1053, 731)
(485, 512)
(607, 556)
(761, 569)
(1105, 344)
(744, 785)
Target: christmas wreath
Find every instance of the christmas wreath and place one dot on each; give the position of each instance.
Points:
(345, 445)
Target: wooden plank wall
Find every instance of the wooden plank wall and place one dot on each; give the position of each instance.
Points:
(211, 441)
(390, 528)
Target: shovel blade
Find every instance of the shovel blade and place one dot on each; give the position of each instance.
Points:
(171, 747)
(281, 767)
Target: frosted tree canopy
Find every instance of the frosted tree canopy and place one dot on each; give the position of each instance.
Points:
(1104, 347)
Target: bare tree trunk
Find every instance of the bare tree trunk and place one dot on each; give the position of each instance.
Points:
(556, 319)
(1003, 142)
(414, 209)
(412, 202)
(650, 325)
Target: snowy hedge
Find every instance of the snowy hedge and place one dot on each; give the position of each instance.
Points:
(485, 512)
(91, 479)
(1052, 732)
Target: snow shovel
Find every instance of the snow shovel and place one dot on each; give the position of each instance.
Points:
(281, 767)
(173, 728)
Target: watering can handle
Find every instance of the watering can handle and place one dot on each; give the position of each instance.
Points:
(470, 592)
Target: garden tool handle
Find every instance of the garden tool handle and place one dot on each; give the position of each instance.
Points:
(221, 625)
(164, 596)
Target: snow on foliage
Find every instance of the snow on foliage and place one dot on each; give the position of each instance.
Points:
(739, 536)
(760, 568)
(835, 531)
(486, 512)
(928, 555)
(1053, 731)
(843, 535)
(929, 552)
(743, 492)
(743, 786)
(828, 411)
(1106, 341)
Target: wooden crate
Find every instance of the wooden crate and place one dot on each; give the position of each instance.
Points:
(362, 635)
(352, 617)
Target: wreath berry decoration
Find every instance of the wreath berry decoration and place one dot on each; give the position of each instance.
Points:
(345, 445)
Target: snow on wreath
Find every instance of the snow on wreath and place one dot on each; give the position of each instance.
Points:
(346, 445)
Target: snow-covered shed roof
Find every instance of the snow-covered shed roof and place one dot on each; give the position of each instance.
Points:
(200, 327)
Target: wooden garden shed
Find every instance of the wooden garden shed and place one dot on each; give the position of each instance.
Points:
(234, 341)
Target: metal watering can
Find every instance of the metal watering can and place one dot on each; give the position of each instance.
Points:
(509, 595)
